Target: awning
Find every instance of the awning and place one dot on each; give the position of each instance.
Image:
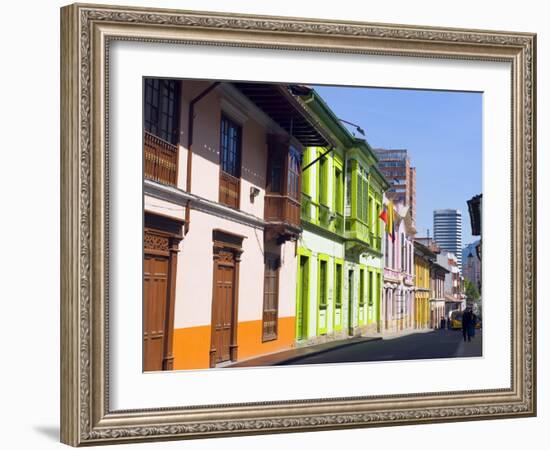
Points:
(280, 104)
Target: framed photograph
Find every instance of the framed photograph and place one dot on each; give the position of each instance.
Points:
(287, 224)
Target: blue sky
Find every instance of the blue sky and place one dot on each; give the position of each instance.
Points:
(442, 132)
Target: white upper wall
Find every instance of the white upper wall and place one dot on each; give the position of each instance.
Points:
(206, 145)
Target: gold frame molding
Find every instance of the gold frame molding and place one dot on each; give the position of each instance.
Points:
(86, 31)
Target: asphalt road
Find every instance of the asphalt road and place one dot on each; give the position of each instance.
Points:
(434, 344)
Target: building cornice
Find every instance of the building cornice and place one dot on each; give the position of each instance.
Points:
(317, 229)
(179, 197)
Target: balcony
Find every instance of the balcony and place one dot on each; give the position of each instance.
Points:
(339, 223)
(357, 236)
(375, 241)
(392, 275)
(357, 229)
(281, 208)
(229, 191)
(282, 214)
(324, 216)
(161, 160)
(305, 209)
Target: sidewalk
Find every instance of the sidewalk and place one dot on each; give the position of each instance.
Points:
(294, 354)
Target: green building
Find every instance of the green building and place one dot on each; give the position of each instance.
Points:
(340, 260)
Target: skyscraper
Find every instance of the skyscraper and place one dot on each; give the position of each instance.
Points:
(396, 167)
(448, 231)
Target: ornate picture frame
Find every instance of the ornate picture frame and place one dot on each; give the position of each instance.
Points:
(86, 34)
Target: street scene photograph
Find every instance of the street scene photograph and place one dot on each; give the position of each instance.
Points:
(291, 224)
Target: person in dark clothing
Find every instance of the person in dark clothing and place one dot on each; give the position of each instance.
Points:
(468, 324)
(472, 329)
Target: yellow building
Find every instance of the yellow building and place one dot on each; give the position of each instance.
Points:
(422, 257)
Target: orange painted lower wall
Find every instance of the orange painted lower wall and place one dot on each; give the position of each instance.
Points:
(191, 346)
(249, 338)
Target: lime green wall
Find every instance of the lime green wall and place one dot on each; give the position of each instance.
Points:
(321, 190)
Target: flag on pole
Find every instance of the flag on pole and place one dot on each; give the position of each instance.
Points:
(384, 215)
(390, 224)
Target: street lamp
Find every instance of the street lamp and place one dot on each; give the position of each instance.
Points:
(357, 127)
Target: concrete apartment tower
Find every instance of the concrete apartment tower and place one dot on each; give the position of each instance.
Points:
(395, 165)
(448, 232)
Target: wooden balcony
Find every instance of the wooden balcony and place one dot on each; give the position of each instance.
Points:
(281, 208)
(282, 214)
(161, 160)
(230, 188)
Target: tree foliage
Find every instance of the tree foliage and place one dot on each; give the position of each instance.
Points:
(470, 290)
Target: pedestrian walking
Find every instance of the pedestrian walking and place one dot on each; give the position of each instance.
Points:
(472, 328)
(468, 318)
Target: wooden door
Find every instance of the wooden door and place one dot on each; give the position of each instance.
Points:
(155, 299)
(271, 297)
(224, 296)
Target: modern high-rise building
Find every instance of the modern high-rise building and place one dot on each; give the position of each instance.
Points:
(395, 164)
(448, 232)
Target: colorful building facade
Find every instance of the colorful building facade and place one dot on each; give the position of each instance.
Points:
(423, 258)
(437, 296)
(339, 254)
(399, 290)
(222, 214)
(453, 287)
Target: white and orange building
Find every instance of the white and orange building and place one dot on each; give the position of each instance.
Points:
(222, 186)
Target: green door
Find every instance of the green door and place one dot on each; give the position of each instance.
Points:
(350, 302)
(322, 296)
(302, 298)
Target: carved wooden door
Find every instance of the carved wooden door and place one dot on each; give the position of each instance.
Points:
(155, 296)
(223, 305)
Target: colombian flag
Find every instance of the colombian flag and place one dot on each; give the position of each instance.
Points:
(387, 217)
(384, 215)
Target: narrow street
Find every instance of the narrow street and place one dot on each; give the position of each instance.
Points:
(434, 344)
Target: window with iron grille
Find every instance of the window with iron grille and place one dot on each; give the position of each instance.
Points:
(338, 197)
(361, 287)
(378, 288)
(230, 147)
(161, 108)
(293, 187)
(323, 180)
(371, 288)
(271, 297)
(338, 286)
(323, 284)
